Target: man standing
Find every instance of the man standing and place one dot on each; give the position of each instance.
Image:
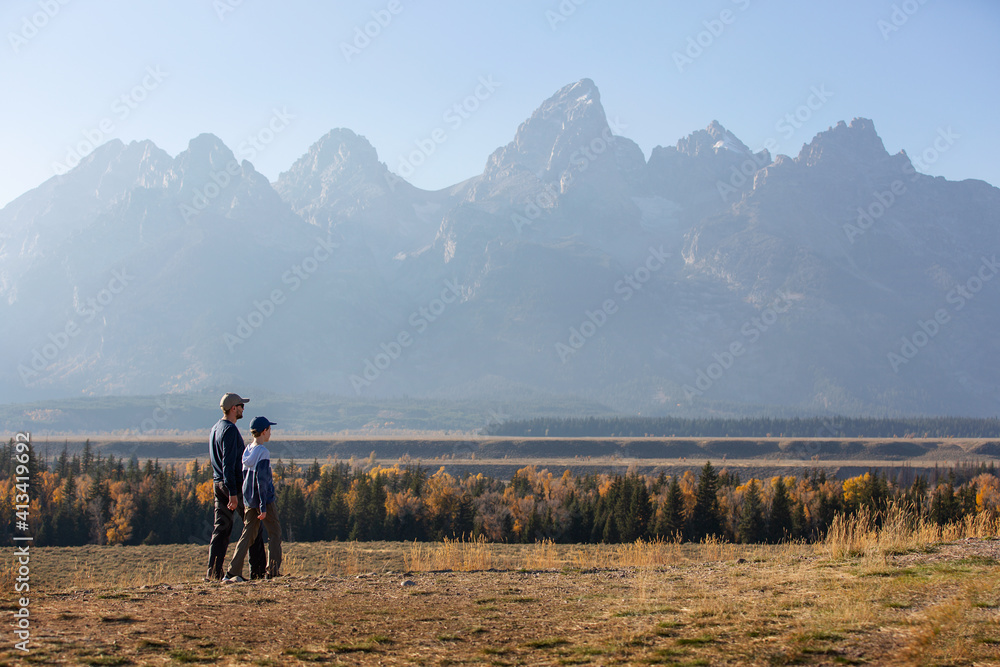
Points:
(226, 453)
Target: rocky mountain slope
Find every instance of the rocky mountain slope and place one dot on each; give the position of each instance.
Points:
(705, 278)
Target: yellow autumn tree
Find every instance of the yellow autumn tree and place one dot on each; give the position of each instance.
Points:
(987, 493)
(49, 483)
(403, 505)
(442, 496)
(205, 492)
(853, 488)
(119, 527)
(689, 484)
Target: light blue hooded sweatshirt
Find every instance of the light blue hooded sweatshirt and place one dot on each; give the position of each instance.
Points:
(258, 485)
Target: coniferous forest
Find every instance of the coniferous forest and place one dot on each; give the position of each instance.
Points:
(87, 499)
(749, 427)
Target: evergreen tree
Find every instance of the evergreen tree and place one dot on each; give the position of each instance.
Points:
(97, 503)
(532, 528)
(133, 469)
(610, 533)
(466, 520)
(728, 479)
(966, 501)
(943, 505)
(706, 517)
(580, 522)
(780, 525)
(915, 496)
(637, 512)
(69, 523)
(338, 516)
(291, 510)
(800, 522)
(670, 523)
(751, 527)
(62, 469)
(313, 472)
(88, 457)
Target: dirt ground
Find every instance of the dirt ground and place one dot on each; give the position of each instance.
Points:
(358, 604)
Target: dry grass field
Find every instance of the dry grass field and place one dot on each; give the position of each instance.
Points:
(859, 598)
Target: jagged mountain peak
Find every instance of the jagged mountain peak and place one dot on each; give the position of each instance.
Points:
(341, 167)
(101, 177)
(708, 237)
(572, 101)
(714, 139)
(205, 151)
(208, 163)
(96, 164)
(857, 142)
(561, 126)
(339, 149)
(106, 151)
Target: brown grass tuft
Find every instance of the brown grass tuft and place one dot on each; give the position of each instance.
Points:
(452, 554)
(897, 530)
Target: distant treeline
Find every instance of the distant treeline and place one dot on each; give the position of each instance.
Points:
(749, 427)
(92, 500)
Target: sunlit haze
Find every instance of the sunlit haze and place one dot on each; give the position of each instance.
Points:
(394, 71)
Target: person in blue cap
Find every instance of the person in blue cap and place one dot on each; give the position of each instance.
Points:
(226, 454)
(261, 508)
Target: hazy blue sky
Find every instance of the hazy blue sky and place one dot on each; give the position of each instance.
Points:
(225, 66)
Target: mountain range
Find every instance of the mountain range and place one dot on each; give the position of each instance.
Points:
(839, 280)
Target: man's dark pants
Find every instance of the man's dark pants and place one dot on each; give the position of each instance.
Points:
(221, 535)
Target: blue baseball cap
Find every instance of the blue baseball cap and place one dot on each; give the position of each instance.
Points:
(260, 424)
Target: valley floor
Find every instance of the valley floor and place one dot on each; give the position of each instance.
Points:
(475, 603)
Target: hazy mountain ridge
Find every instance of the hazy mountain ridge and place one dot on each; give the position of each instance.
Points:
(571, 265)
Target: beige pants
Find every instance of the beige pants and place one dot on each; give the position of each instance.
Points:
(251, 526)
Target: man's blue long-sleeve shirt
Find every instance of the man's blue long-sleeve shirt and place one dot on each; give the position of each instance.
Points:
(226, 451)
